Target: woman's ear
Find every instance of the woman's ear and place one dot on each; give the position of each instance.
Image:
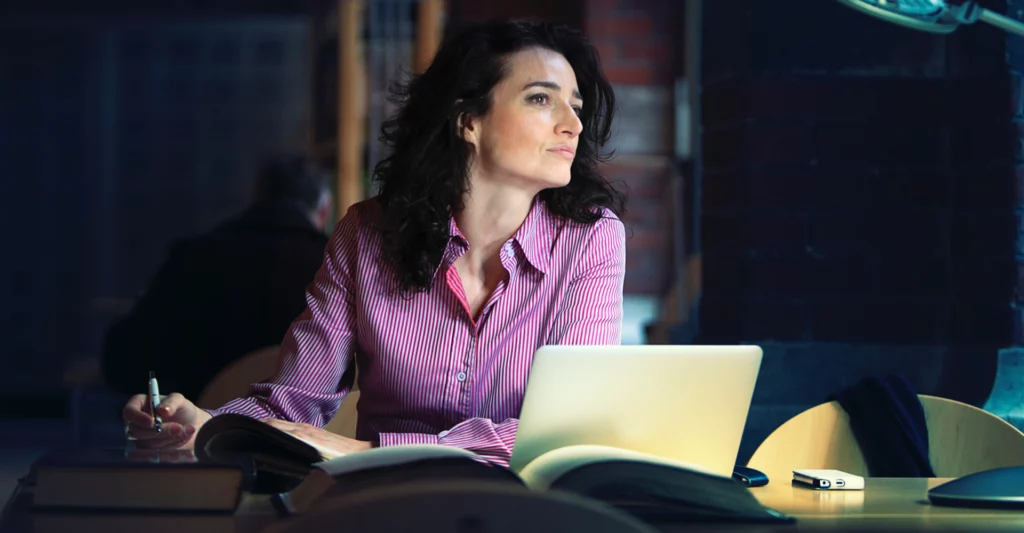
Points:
(468, 128)
(465, 125)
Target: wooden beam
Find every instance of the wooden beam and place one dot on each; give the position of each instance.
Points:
(430, 28)
(694, 268)
(350, 112)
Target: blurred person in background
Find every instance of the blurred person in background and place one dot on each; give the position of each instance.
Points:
(221, 295)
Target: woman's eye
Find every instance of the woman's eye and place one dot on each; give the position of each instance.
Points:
(539, 98)
(577, 109)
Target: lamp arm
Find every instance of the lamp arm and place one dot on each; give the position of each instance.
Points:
(1000, 21)
(932, 24)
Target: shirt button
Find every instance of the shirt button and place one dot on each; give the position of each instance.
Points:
(461, 376)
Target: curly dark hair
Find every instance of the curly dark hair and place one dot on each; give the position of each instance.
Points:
(423, 180)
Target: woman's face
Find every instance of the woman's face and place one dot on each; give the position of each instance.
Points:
(528, 137)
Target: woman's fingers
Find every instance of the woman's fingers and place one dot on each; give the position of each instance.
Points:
(178, 428)
(173, 435)
(279, 424)
(171, 405)
(170, 430)
(136, 412)
(170, 443)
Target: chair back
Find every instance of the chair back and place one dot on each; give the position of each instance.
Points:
(962, 439)
(234, 381)
(344, 422)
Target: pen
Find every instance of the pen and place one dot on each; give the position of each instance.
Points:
(154, 400)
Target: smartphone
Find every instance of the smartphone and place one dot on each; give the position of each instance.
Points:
(819, 479)
(749, 476)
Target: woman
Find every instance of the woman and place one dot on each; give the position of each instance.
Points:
(493, 235)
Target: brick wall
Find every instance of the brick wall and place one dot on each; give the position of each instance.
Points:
(638, 53)
(635, 41)
(858, 179)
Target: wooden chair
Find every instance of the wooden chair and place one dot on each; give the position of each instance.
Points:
(344, 422)
(962, 439)
(461, 506)
(234, 380)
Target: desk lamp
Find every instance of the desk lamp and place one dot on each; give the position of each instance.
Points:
(998, 487)
(935, 16)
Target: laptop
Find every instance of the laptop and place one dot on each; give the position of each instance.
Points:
(686, 403)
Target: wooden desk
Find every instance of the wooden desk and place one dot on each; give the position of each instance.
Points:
(884, 505)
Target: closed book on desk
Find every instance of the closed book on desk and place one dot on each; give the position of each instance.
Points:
(252, 514)
(138, 480)
(72, 522)
(653, 489)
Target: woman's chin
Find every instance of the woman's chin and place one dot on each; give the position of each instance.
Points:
(550, 180)
(555, 181)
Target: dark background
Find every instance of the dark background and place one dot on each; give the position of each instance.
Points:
(856, 187)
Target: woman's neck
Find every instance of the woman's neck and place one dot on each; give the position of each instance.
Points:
(490, 217)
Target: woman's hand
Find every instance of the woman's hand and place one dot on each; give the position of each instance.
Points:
(319, 436)
(181, 421)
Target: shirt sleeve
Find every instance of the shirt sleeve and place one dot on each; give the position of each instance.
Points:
(591, 311)
(481, 436)
(318, 348)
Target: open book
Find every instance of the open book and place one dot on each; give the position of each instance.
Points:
(281, 459)
(650, 488)
(302, 475)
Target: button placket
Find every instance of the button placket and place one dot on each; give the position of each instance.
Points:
(462, 376)
(467, 361)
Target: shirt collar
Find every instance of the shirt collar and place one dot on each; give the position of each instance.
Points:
(534, 236)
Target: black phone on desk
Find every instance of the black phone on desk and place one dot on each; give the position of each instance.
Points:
(749, 476)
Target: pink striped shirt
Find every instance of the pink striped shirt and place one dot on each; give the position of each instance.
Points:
(429, 373)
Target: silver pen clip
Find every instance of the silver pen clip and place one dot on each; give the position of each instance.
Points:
(154, 401)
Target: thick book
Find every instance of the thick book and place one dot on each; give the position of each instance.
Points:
(128, 479)
(651, 488)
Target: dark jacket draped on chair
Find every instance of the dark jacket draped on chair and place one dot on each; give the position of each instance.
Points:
(888, 422)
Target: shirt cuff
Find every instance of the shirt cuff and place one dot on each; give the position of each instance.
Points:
(398, 439)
